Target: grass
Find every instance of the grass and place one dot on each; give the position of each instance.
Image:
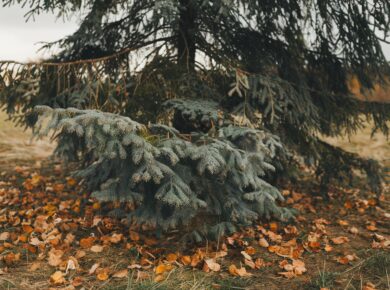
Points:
(378, 264)
(324, 279)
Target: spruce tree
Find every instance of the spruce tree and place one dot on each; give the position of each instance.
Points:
(217, 81)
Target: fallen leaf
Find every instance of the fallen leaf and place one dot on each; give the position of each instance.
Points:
(299, 267)
(186, 260)
(4, 236)
(97, 249)
(57, 278)
(246, 256)
(328, 248)
(86, 243)
(35, 241)
(134, 236)
(171, 257)
(142, 275)
(121, 274)
(93, 268)
(27, 229)
(263, 243)
(34, 266)
(369, 286)
(116, 238)
(103, 274)
(241, 272)
(340, 240)
(342, 223)
(162, 268)
(72, 264)
(250, 264)
(11, 258)
(54, 258)
(78, 281)
(80, 254)
(353, 230)
(159, 278)
(212, 265)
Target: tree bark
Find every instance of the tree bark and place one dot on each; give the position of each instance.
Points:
(186, 44)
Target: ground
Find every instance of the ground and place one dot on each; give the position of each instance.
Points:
(53, 236)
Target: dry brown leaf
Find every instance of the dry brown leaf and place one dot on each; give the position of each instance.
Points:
(342, 223)
(54, 258)
(299, 267)
(328, 248)
(102, 275)
(345, 259)
(162, 268)
(134, 236)
(212, 265)
(34, 266)
(96, 249)
(369, 286)
(218, 254)
(27, 229)
(116, 238)
(246, 256)
(121, 274)
(353, 230)
(57, 278)
(241, 272)
(186, 260)
(35, 241)
(4, 236)
(263, 243)
(69, 238)
(78, 281)
(259, 263)
(159, 278)
(340, 240)
(86, 243)
(250, 250)
(80, 254)
(171, 257)
(93, 268)
(142, 275)
(273, 226)
(72, 264)
(371, 228)
(195, 260)
(250, 264)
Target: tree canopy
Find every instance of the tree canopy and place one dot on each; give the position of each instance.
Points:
(201, 67)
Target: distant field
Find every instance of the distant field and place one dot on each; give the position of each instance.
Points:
(377, 147)
(16, 145)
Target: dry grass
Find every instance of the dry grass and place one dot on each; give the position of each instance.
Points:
(16, 145)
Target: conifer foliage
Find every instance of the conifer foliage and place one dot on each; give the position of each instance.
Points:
(166, 179)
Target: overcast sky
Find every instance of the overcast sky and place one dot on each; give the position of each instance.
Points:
(20, 40)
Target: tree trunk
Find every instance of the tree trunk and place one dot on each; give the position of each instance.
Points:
(186, 46)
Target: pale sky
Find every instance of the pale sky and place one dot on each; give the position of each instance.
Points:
(20, 40)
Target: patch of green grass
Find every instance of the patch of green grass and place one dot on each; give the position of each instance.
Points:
(6, 284)
(378, 264)
(232, 283)
(324, 279)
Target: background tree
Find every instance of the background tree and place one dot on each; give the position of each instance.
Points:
(280, 66)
